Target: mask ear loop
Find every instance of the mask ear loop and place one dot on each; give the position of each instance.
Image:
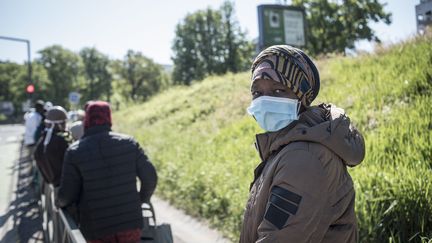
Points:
(298, 109)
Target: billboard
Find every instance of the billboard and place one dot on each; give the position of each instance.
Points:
(281, 24)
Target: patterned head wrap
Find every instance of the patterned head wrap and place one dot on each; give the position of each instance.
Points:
(97, 113)
(291, 67)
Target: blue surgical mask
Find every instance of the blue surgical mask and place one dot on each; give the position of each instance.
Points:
(274, 113)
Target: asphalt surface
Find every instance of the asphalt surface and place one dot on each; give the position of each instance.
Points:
(20, 217)
(185, 229)
(10, 142)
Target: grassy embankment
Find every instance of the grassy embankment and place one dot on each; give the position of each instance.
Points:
(201, 141)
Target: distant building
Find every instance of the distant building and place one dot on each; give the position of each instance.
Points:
(424, 15)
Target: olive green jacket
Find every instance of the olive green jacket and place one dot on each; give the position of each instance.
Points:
(302, 191)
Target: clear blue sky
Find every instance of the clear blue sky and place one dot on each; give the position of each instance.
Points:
(114, 26)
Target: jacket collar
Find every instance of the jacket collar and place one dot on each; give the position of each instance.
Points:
(310, 126)
(270, 142)
(323, 124)
(96, 129)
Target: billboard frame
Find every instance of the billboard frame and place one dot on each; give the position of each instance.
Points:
(261, 8)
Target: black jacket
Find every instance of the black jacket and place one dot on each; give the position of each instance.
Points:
(99, 175)
(49, 159)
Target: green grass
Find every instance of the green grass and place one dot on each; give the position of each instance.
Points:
(201, 141)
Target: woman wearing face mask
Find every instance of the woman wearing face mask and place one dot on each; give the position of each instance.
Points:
(302, 191)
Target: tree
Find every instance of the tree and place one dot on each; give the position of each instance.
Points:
(97, 76)
(194, 45)
(14, 79)
(239, 52)
(142, 77)
(333, 26)
(9, 72)
(209, 42)
(64, 68)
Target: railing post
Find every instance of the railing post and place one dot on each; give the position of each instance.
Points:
(64, 229)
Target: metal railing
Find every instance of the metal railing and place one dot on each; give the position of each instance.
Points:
(59, 226)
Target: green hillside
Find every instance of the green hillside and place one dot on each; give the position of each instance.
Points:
(202, 141)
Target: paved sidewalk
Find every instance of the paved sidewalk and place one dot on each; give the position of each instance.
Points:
(21, 220)
(185, 229)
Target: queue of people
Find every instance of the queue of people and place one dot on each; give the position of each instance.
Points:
(301, 192)
(94, 171)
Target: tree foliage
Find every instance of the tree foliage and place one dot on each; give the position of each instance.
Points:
(142, 77)
(14, 80)
(64, 68)
(59, 71)
(8, 70)
(240, 52)
(97, 83)
(333, 26)
(209, 42)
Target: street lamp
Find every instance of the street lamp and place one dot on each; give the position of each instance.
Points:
(28, 55)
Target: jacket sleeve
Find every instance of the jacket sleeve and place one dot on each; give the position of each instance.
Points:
(70, 184)
(297, 200)
(147, 174)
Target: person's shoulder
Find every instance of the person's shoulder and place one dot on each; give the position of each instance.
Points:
(294, 149)
(294, 146)
(301, 154)
(73, 151)
(316, 150)
(297, 165)
(32, 115)
(121, 137)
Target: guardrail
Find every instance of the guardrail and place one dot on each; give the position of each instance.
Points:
(59, 226)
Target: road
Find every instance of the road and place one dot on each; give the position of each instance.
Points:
(10, 141)
(9, 155)
(20, 220)
(185, 228)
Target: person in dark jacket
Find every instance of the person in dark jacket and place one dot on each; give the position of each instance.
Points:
(52, 146)
(99, 176)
